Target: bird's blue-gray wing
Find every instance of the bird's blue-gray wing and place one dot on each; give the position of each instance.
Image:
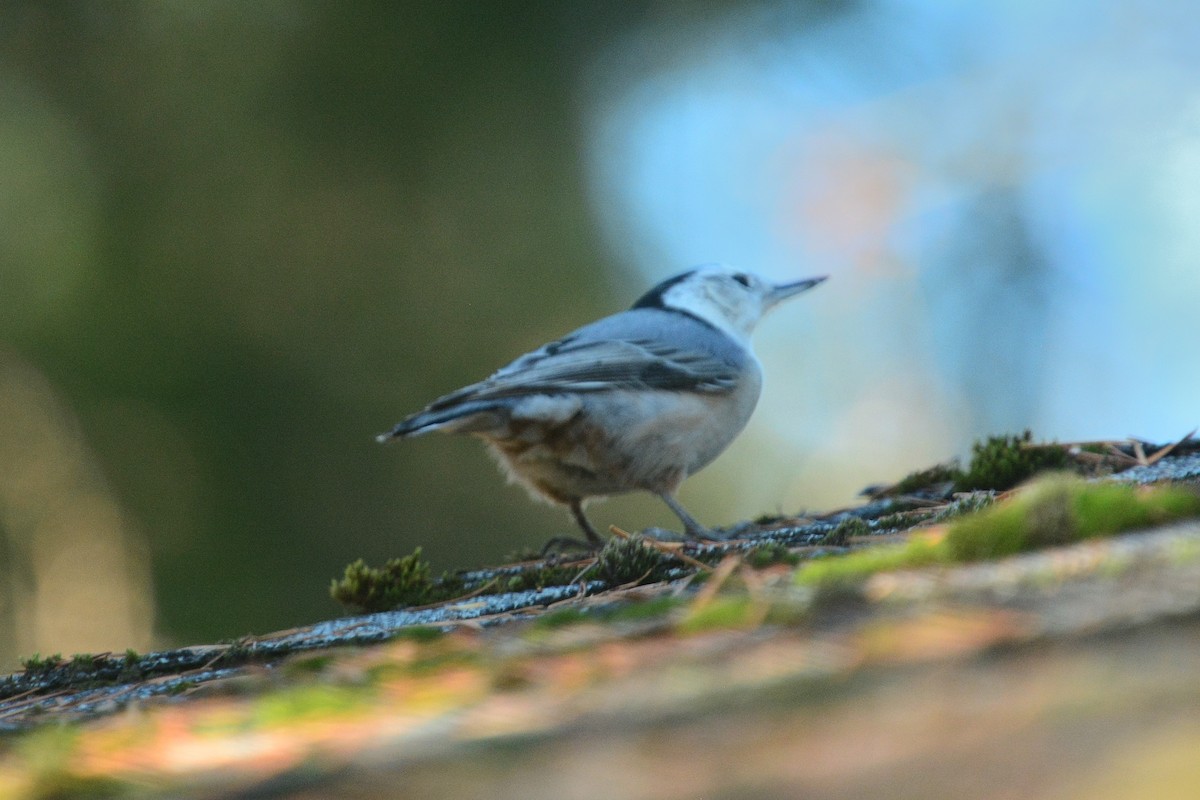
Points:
(606, 364)
(574, 366)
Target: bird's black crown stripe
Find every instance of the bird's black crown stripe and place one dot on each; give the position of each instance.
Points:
(654, 297)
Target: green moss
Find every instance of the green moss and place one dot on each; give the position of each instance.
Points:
(643, 610)
(847, 528)
(50, 748)
(307, 665)
(1061, 509)
(237, 651)
(997, 463)
(540, 576)
(634, 611)
(85, 662)
(771, 553)
(892, 521)
(315, 701)
(82, 668)
(419, 633)
(36, 664)
(723, 611)
(623, 561)
(1120, 508)
(851, 568)
(403, 581)
(408, 581)
(50, 754)
(1001, 462)
(935, 476)
(1039, 517)
(434, 659)
(131, 667)
(1057, 510)
(904, 519)
(560, 618)
(966, 504)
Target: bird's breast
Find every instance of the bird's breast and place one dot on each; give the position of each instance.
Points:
(609, 442)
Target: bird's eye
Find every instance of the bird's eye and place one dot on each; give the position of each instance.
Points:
(743, 279)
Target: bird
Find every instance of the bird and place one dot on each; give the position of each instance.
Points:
(636, 401)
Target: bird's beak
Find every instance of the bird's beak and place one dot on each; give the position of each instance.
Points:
(785, 290)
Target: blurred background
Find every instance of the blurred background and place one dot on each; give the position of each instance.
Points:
(239, 239)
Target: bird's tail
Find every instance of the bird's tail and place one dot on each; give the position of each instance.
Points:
(458, 418)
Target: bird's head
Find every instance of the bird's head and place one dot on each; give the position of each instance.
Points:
(730, 299)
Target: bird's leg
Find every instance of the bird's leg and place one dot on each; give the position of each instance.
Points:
(691, 528)
(577, 512)
(593, 543)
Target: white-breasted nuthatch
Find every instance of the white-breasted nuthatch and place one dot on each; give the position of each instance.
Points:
(637, 401)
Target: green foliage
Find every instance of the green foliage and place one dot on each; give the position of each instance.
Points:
(399, 582)
(1001, 462)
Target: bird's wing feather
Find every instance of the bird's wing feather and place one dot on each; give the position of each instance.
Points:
(602, 364)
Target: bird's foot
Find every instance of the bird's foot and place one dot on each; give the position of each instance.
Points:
(689, 534)
(700, 533)
(665, 535)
